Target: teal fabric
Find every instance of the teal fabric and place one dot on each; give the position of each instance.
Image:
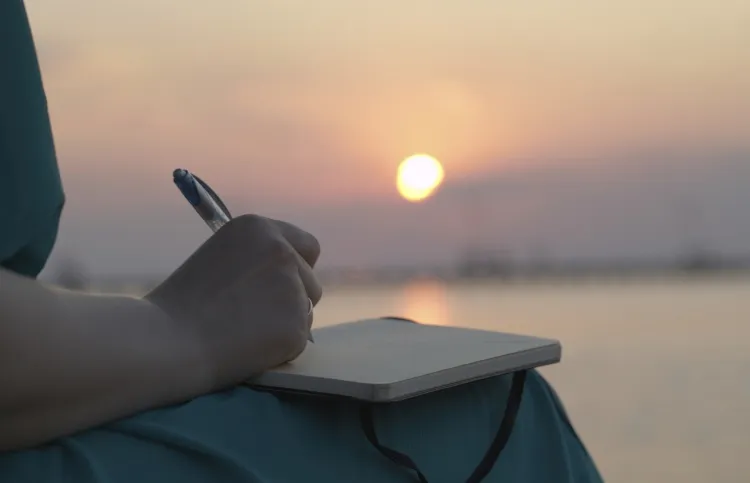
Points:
(244, 436)
(241, 435)
(31, 195)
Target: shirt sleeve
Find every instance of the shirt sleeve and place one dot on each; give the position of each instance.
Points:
(31, 196)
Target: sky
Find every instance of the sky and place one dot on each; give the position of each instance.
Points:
(578, 130)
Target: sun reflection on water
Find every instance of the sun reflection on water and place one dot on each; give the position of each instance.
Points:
(425, 301)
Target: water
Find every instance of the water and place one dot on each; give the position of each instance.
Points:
(654, 373)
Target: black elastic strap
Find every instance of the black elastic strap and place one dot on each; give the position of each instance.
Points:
(505, 430)
(488, 461)
(368, 427)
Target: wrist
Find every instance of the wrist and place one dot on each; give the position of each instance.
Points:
(181, 354)
(76, 360)
(150, 358)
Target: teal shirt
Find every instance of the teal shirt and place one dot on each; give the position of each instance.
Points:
(31, 195)
(241, 435)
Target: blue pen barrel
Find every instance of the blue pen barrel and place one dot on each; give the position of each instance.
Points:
(202, 198)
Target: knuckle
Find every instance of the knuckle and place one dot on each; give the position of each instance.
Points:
(251, 223)
(316, 293)
(279, 252)
(313, 245)
(307, 240)
(306, 243)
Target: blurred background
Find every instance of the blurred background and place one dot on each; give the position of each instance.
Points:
(583, 174)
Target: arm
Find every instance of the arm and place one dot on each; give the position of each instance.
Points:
(70, 361)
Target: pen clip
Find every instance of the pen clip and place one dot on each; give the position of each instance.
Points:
(213, 195)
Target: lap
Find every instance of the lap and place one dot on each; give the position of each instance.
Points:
(243, 435)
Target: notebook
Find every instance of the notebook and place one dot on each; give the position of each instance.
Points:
(390, 359)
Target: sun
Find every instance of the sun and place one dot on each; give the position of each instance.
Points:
(418, 177)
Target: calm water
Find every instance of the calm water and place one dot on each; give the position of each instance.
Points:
(654, 374)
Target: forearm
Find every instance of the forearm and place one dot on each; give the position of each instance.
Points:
(71, 361)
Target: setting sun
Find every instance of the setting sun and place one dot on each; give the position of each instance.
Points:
(418, 176)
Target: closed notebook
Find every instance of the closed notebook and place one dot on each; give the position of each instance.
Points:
(389, 359)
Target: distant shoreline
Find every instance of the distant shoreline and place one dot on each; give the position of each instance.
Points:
(353, 278)
(568, 277)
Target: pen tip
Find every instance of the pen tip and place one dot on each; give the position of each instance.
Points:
(179, 173)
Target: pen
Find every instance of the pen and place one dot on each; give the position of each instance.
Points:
(202, 198)
(207, 204)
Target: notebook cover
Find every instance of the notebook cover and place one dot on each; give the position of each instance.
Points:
(383, 360)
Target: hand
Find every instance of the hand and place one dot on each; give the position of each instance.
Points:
(243, 297)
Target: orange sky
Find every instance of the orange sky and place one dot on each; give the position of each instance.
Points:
(292, 106)
(338, 92)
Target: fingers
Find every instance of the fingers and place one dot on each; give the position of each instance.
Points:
(303, 242)
(279, 236)
(312, 294)
(310, 318)
(296, 310)
(308, 248)
(310, 281)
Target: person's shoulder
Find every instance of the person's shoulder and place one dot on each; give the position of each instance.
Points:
(31, 194)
